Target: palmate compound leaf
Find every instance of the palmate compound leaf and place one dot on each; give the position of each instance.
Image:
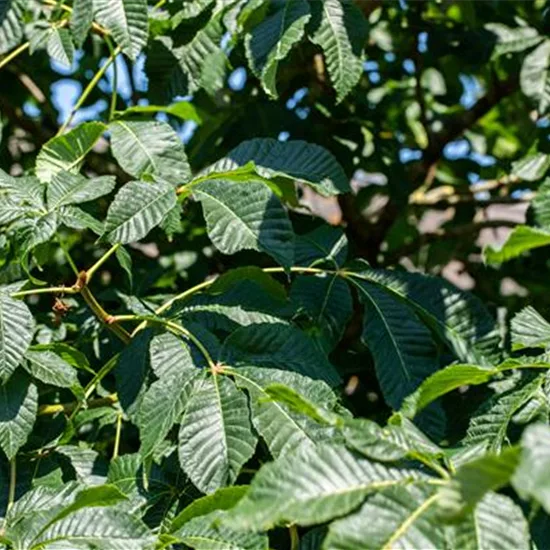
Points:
(149, 147)
(137, 208)
(164, 401)
(341, 31)
(60, 46)
(49, 368)
(12, 26)
(282, 429)
(398, 517)
(67, 152)
(16, 331)
(313, 485)
(241, 216)
(294, 159)
(459, 319)
(18, 408)
(512, 39)
(215, 438)
(127, 21)
(535, 76)
(271, 41)
(81, 20)
(496, 523)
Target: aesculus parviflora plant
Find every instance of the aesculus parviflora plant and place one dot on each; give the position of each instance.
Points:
(145, 412)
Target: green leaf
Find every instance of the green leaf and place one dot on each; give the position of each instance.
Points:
(136, 209)
(103, 528)
(164, 401)
(512, 39)
(532, 167)
(149, 148)
(278, 346)
(474, 479)
(445, 381)
(207, 532)
(12, 25)
(312, 486)
(297, 160)
(49, 368)
(76, 218)
(341, 31)
(399, 517)
(491, 422)
(531, 477)
(82, 17)
(402, 347)
(529, 329)
(16, 331)
(223, 499)
(246, 216)
(60, 46)
(521, 239)
(18, 408)
(496, 524)
(66, 188)
(67, 152)
(281, 428)
(215, 438)
(184, 110)
(127, 21)
(459, 319)
(534, 76)
(271, 41)
(326, 244)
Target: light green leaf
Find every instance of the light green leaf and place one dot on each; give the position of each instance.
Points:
(18, 408)
(271, 41)
(136, 209)
(81, 20)
(297, 160)
(246, 216)
(512, 39)
(184, 110)
(16, 331)
(60, 46)
(529, 329)
(399, 517)
(209, 533)
(522, 239)
(541, 204)
(341, 32)
(127, 21)
(445, 381)
(215, 439)
(534, 77)
(76, 218)
(312, 486)
(532, 167)
(67, 152)
(222, 499)
(149, 147)
(531, 477)
(66, 188)
(49, 368)
(496, 524)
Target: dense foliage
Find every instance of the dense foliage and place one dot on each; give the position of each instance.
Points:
(227, 229)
